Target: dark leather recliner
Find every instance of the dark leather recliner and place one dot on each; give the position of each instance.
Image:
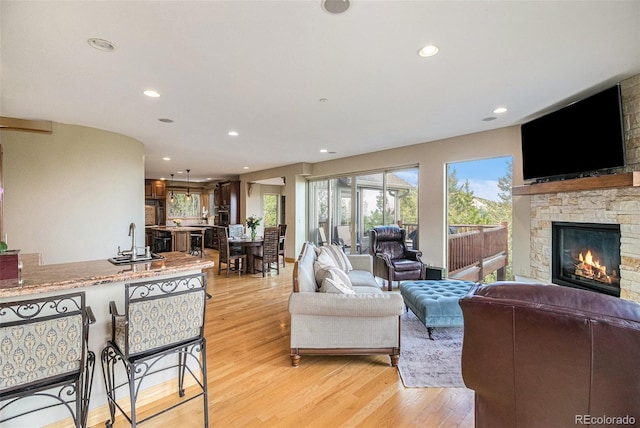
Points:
(392, 260)
(550, 356)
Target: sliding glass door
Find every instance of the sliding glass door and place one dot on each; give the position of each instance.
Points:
(344, 210)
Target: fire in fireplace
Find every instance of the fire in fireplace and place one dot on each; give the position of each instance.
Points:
(587, 256)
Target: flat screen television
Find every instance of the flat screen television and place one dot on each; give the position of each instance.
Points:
(583, 139)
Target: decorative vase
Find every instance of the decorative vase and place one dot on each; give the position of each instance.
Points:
(253, 234)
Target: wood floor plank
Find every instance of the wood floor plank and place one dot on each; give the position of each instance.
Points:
(252, 383)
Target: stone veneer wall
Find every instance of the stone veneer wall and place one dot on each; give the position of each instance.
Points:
(618, 206)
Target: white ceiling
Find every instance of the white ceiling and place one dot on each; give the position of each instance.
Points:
(261, 68)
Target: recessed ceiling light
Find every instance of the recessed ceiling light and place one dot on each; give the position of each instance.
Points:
(166, 158)
(336, 6)
(324, 151)
(500, 110)
(489, 119)
(233, 133)
(245, 167)
(429, 50)
(151, 93)
(323, 100)
(101, 45)
(165, 120)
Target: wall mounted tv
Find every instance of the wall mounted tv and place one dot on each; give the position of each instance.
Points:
(583, 139)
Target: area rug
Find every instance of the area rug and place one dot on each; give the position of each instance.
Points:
(429, 363)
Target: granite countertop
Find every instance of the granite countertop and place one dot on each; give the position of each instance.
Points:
(180, 228)
(65, 276)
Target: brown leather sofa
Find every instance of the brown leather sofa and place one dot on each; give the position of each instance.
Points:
(551, 356)
(392, 260)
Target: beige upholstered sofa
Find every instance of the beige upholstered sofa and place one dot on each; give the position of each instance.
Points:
(363, 322)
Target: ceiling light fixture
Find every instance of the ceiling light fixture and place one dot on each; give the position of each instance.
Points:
(233, 133)
(336, 6)
(427, 51)
(188, 190)
(172, 200)
(151, 93)
(165, 120)
(324, 151)
(500, 110)
(101, 44)
(166, 159)
(489, 119)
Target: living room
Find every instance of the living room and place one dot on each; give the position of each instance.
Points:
(71, 194)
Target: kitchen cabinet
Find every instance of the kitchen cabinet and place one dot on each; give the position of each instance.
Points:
(229, 206)
(182, 241)
(154, 189)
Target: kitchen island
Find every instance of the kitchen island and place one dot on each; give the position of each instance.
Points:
(180, 236)
(102, 282)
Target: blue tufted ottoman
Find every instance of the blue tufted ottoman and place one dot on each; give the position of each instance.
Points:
(435, 302)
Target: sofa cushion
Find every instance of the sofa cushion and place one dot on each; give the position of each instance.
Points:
(306, 278)
(337, 254)
(336, 281)
(362, 278)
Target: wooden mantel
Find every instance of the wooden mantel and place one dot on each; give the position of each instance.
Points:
(612, 181)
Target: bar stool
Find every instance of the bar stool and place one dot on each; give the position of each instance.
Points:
(196, 244)
(44, 356)
(162, 318)
(162, 244)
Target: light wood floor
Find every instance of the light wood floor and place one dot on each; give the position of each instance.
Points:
(252, 384)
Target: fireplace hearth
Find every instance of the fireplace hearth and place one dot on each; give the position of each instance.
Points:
(586, 256)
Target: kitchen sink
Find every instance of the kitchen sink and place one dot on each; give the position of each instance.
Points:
(125, 260)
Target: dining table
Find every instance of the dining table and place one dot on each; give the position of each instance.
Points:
(248, 246)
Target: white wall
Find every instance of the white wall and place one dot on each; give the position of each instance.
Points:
(71, 195)
(432, 159)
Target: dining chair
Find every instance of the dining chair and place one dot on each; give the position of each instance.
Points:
(161, 328)
(45, 358)
(270, 250)
(281, 247)
(234, 261)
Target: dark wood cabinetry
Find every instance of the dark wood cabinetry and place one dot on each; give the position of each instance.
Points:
(154, 189)
(229, 203)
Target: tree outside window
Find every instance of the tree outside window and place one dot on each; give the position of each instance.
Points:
(183, 207)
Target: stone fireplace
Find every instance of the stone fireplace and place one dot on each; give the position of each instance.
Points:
(617, 205)
(586, 256)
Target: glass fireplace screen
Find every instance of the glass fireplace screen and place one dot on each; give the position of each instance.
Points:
(587, 256)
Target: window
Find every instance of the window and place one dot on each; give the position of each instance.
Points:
(270, 209)
(183, 207)
(343, 210)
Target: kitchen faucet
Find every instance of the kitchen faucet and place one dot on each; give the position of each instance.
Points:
(133, 252)
(132, 234)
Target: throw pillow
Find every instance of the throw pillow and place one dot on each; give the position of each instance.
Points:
(336, 281)
(337, 254)
(320, 266)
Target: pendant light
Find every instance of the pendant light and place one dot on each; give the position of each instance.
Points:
(188, 191)
(172, 200)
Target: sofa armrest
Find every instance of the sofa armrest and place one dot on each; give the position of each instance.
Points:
(353, 305)
(361, 262)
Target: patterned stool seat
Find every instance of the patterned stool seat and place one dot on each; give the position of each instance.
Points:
(435, 302)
